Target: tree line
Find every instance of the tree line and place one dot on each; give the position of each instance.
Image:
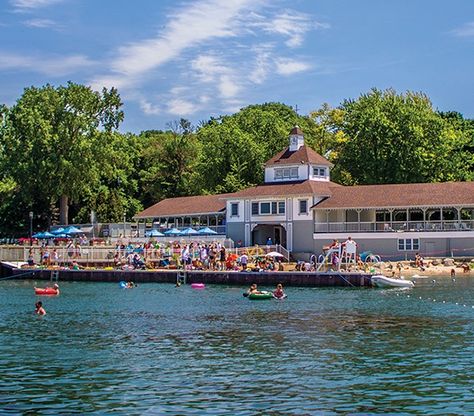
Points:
(62, 155)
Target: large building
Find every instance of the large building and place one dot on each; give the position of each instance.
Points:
(299, 207)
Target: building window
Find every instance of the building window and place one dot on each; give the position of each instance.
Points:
(265, 208)
(254, 208)
(408, 244)
(234, 209)
(268, 208)
(286, 173)
(320, 172)
(303, 206)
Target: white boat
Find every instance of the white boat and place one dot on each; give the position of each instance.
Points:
(384, 281)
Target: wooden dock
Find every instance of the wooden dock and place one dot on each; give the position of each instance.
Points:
(303, 279)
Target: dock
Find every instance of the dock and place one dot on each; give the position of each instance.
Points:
(235, 278)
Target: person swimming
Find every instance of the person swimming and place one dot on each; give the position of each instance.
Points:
(252, 290)
(39, 308)
(278, 292)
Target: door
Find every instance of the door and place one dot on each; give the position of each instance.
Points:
(277, 235)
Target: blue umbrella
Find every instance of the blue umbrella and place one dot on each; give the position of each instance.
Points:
(206, 230)
(44, 235)
(72, 230)
(58, 231)
(172, 231)
(154, 233)
(62, 235)
(189, 231)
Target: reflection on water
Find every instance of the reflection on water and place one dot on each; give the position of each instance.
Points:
(159, 349)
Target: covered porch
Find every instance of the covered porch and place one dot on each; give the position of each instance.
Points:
(441, 218)
(215, 221)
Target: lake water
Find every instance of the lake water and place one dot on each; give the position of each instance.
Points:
(158, 349)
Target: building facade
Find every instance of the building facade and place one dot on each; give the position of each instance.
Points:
(299, 207)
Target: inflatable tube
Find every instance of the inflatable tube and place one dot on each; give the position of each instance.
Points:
(198, 285)
(47, 291)
(260, 296)
(281, 298)
(122, 284)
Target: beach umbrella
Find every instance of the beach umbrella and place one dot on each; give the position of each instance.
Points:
(72, 230)
(206, 230)
(58, 231)
(189, 231)
(274, 254)
(154, 233)
(44, 235)
(172, 231)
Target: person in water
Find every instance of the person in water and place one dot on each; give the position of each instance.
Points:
(39, 308)
(56, 286)
(253, 289)
(278, 292)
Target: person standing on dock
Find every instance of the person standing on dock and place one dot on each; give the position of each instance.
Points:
(350, 250)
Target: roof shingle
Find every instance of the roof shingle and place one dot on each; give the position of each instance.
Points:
(303, 155)
(187, 205)
(308, 187)
(400, 195)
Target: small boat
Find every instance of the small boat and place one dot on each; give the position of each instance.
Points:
(47, 291)
(198, 285)
(260, 296)
(384, 281)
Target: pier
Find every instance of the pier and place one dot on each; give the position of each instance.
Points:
(303, 279)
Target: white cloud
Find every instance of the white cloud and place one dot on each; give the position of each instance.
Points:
(149, 108)
(202, 21)
(291, 24)
(228, 86)
(467, 30)
(218, 51)
(182, 107)
(41, 23)
(286, 66)
(48, 65)
(27, 5)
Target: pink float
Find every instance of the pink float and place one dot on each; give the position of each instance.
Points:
(198, 285)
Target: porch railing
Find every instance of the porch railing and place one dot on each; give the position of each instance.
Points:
(367, 227)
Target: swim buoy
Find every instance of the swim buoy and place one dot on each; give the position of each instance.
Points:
(198, 285)
(122, 284)
(47, 291)
(260, 296)
(281, 297)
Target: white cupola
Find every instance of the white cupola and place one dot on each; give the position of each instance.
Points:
(296, 139)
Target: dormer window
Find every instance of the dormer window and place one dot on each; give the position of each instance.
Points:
(285, 173)
(319, 172)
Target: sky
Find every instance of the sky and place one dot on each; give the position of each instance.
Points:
(204, 58)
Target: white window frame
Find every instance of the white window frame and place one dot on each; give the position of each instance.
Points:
(299, 207)
(280, 207)
(408, 244)
(317, 172)
(269, 208)
(232, 205)
(287, 173)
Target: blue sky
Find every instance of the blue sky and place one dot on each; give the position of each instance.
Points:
(197, 59)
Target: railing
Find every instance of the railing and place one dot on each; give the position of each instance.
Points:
(364, 227)
(100, 254)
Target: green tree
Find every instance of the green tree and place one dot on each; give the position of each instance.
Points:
(397, 138)
(55, 142)
(168, 163)
(236, 147)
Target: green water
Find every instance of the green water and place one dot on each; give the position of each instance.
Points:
(158, 349)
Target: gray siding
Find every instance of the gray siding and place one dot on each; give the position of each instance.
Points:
(303, 236)
(387, 248)
(236, 231)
